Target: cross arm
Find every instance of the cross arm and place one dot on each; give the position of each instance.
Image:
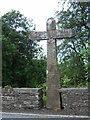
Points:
(60, 34)
(65, 33)
(38, 35)
(56, 34)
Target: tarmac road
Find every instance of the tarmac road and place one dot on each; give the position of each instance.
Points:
(22, 116)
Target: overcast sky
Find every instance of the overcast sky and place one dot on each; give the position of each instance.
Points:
(38, 10)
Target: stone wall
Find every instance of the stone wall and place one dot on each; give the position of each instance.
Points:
(21, 98)
(75, 100)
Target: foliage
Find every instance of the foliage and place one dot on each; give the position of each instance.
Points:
(43, 86)
(23, 62)
(74, 52)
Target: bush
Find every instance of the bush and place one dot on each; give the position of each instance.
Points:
(43, 86)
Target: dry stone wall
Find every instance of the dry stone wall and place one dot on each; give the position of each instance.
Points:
(75, 100)
(21, 98)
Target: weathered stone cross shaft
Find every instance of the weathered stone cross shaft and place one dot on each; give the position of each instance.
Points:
(52, 83)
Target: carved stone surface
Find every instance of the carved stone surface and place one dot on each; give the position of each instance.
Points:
(51, 24)
(38, 35)
(51, 32)
(53, 98)
(57, 34)
(64, 33)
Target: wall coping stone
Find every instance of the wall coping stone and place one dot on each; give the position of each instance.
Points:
(27, 90)
(72, 89)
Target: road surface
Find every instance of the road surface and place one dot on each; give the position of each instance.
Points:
(22, 116)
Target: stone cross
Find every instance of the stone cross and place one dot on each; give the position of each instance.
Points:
(52, 82)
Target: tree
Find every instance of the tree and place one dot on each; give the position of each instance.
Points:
(20, 54)
(71, 56)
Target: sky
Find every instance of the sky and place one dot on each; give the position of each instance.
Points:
(38, 10)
